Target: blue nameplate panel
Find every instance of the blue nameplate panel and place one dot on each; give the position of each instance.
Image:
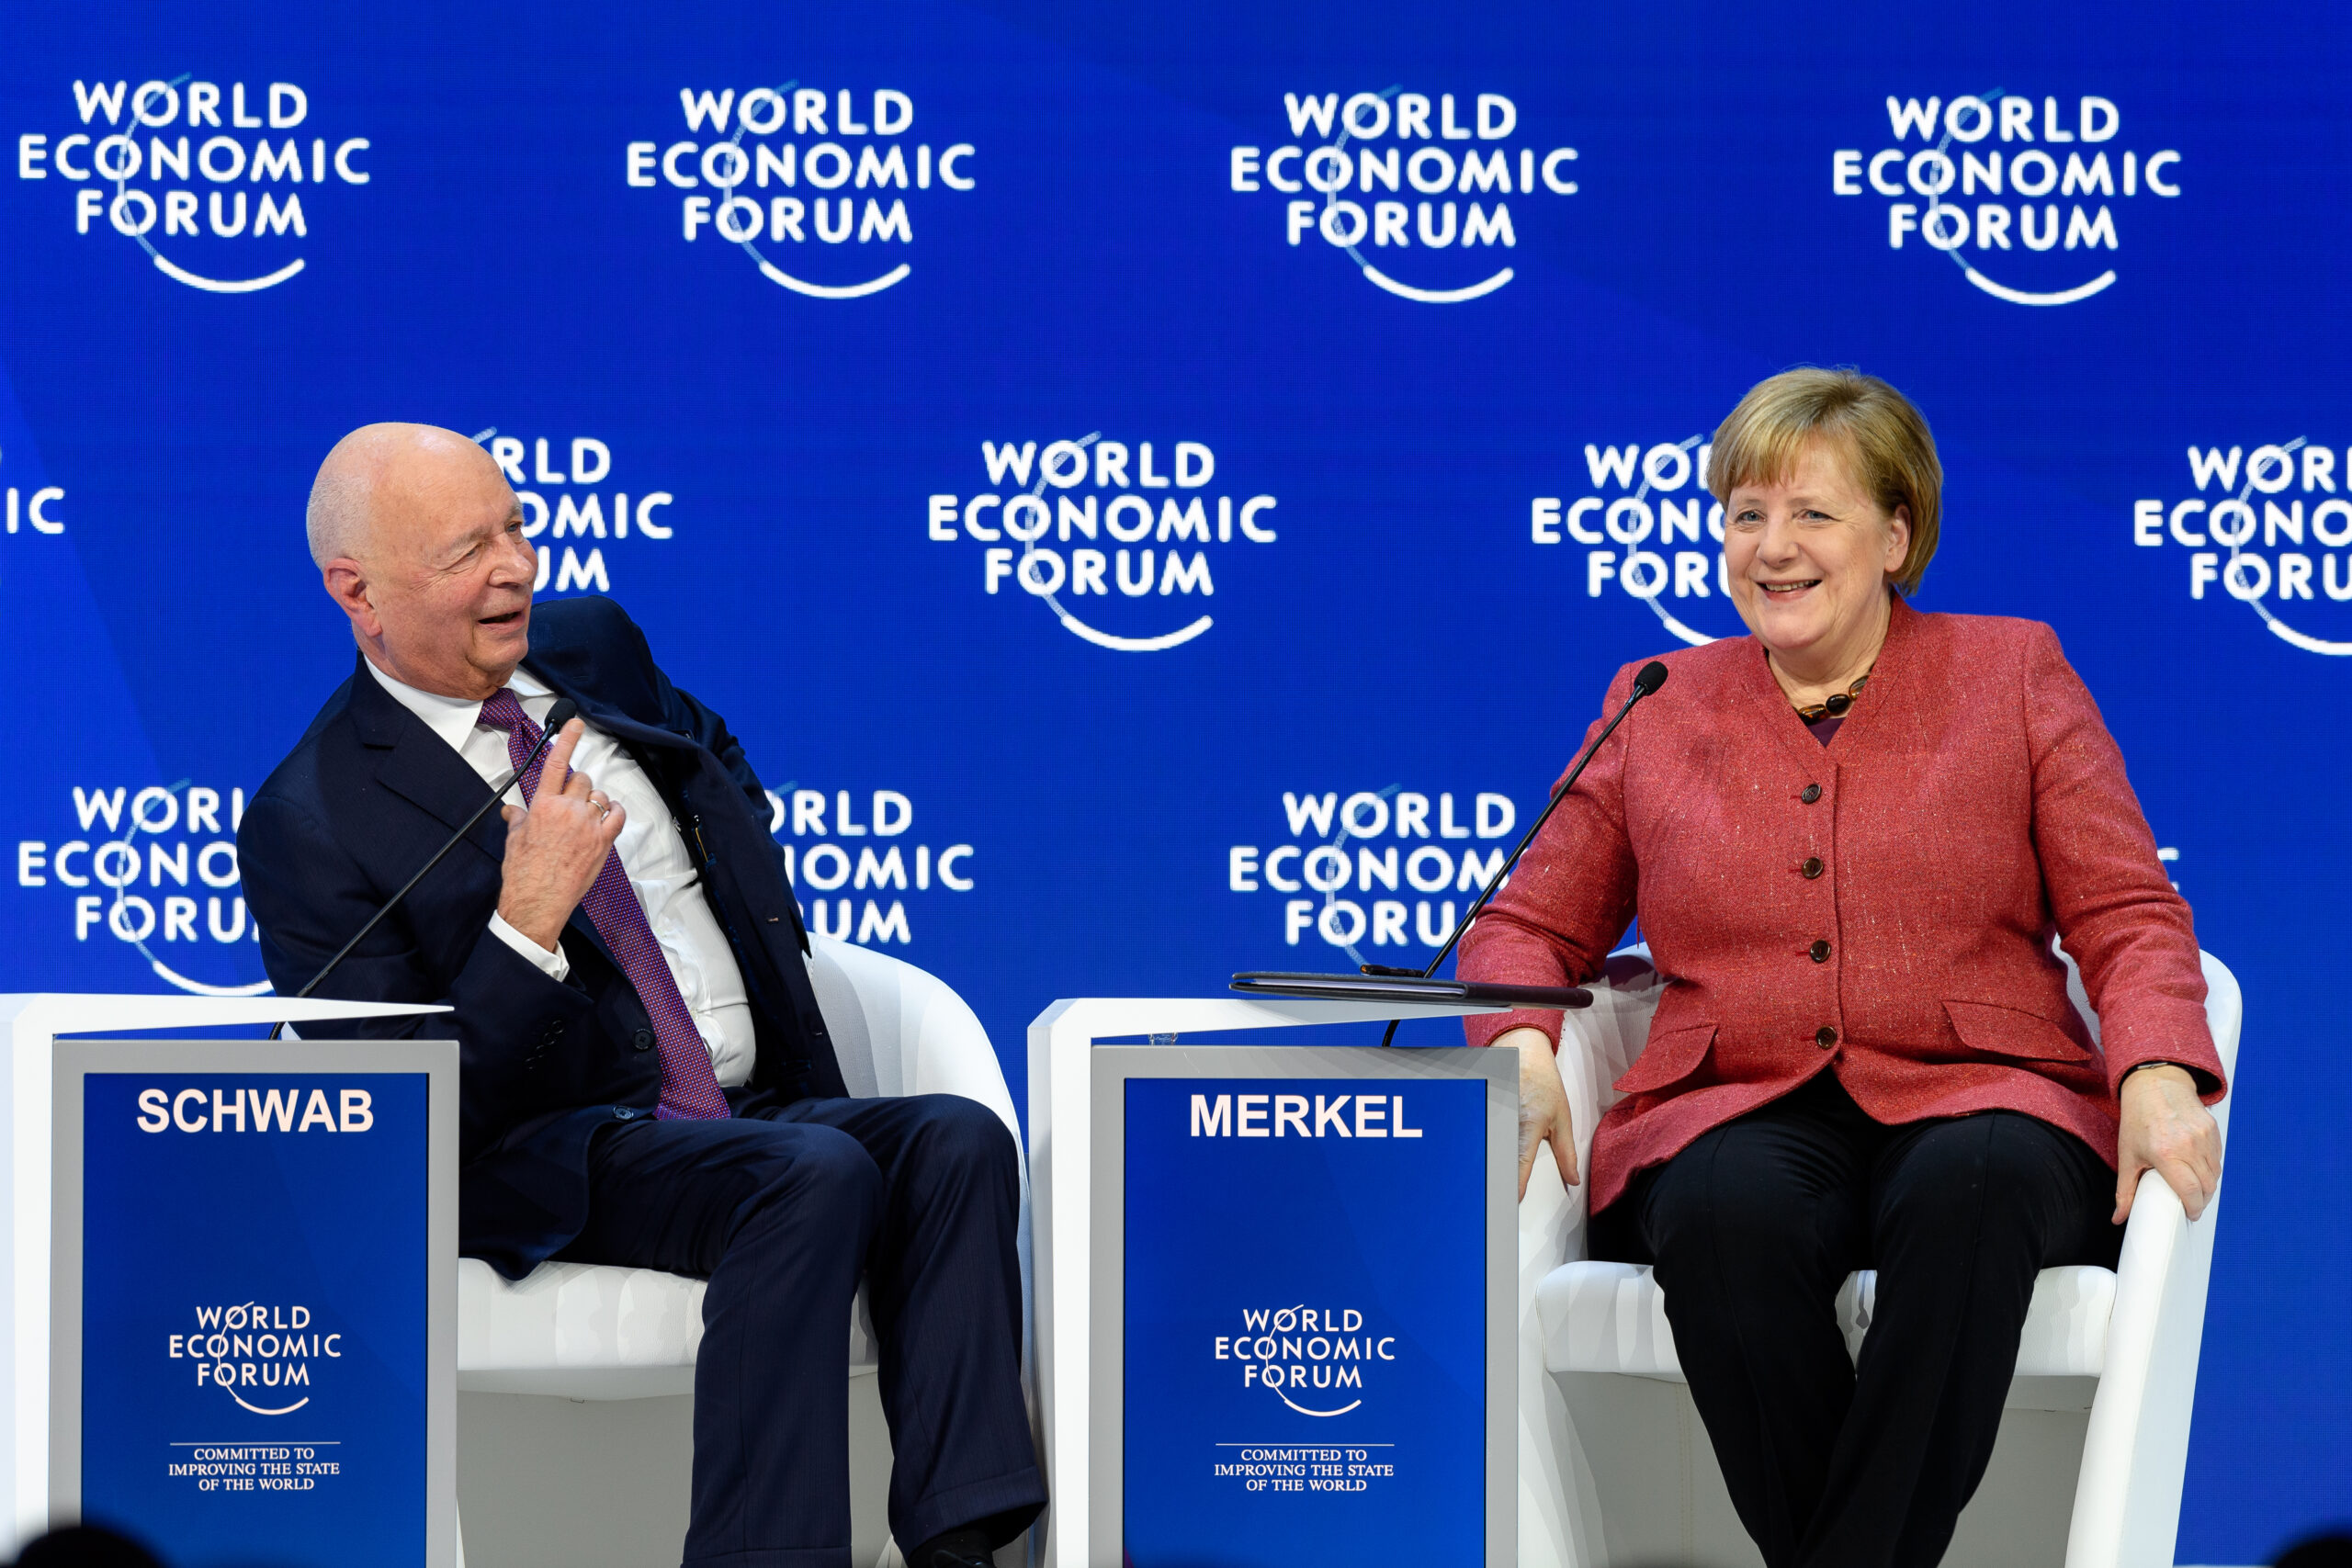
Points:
(255, 1296)
(1305, 1322)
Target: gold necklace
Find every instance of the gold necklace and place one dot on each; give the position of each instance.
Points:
(1836, 704)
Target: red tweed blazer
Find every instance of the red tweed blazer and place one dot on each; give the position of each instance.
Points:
(1882, 907)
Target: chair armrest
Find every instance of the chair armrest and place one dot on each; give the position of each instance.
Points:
(1598, 1045)
(2135, 1452)
(898, 1029)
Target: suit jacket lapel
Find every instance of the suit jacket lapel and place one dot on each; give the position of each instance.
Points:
(1869, 717)
(1771, 708)
(605, 716)
(418, 765)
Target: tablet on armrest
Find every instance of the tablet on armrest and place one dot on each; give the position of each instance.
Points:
(1406, 988)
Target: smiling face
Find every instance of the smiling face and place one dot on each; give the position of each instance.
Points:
(431, 566)
(1810, 556)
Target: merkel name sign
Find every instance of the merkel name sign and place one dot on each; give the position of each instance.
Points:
(1306, 1336)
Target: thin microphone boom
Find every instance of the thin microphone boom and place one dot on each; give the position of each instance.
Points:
(562, 712)
(1650, 677)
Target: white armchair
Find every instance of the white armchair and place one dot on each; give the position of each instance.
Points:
(543, 1362)
(1615, 1466)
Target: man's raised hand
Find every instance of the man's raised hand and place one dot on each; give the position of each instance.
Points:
(555, 849)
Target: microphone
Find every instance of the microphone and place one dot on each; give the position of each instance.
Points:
(1646, 680)
(562, 712)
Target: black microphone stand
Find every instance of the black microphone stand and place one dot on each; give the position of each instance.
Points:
(1650, 678)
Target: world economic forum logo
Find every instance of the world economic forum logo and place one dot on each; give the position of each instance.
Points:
(2269, 528)
(2023, 196)
(1425, 183)
(843, 841)
(1303, 1353)
(1646, 526)
(1122, 542)
(255, 1350)
(812, 185)
(155, 868)
(1423, 847)
(207, 177)
(575, 506)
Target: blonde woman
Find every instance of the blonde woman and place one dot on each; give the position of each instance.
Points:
(1850, 837)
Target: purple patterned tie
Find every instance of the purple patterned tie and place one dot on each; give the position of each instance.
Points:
(689, 1088)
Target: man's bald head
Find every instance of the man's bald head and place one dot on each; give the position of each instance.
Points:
(419, 539)
(376, 474)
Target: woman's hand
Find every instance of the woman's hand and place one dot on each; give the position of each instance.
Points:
(1543, 1106)
(2164, 1129)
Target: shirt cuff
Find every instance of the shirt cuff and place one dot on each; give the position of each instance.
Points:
(554, 965)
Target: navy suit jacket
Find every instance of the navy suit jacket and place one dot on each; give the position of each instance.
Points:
(370, 793)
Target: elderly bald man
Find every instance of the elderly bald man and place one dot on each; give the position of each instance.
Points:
(647, 1075)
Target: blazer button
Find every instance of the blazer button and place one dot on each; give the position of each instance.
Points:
(1810, 793)
(1820, 951)
(642, 1040)
(1825, 1037)
(1812, 867)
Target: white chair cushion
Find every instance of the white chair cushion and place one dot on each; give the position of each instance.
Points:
(1610, 1317)
(591, 1331)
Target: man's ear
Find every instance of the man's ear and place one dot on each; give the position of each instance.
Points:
(346, 584)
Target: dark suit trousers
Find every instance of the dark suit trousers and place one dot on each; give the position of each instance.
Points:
(782, 1210)
(1753, 1229)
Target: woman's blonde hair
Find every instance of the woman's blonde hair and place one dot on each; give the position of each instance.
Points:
(1888, 443)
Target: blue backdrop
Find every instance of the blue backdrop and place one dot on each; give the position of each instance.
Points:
(1341, 315)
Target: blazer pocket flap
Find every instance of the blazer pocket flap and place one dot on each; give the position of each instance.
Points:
(2007, 1032)
(1668, 1058)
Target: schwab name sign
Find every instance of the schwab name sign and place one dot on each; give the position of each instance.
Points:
(251, 1346)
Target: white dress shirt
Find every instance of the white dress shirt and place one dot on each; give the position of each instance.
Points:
(652, 853)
